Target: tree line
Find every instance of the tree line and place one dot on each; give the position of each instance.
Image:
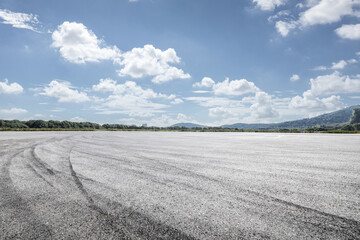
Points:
(352, 126)
(35, 124)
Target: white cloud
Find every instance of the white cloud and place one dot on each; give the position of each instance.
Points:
(222, 112)
(334, 84)
(325, 85)
(310, 104)
(77, 44)
(234, 87)
(12, 88)
(105, 85)
(64, 92)
(215, 101)
(170, 74)
(19, 20)
(77, 119)
(280, 14)
(323, 12)
(353, 60)
(183, 118)
(267, 5)
(328, 11)
(294, 78)
(205, 82)
(13, 111)
(339, 65)
(262, 107)
(128, 88)
(336, 65)
(150, 61)
(201, 91)
(284, 27)
(131, 99)
(177, 101)
(160, 121)
(320, 68)
(351, 32)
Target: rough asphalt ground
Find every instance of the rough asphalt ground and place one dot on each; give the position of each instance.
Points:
(166, 185)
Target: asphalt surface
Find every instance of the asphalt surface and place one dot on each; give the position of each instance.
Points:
(167, 185)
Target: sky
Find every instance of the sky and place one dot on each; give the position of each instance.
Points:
(162, 62)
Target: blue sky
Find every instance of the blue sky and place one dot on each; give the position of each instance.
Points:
(165, 61)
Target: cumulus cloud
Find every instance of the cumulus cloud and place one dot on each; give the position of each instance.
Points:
(328, 11)
(262, 106)
(326, 85)
(19, 20)
(294, 78)
(150, 61)
(205, 82)
(64, 92)
(12, 88)
(268, 5)
(323, 12)
(128, 88)
(105, 85)
(334, 84)
(351, 32)
(234, 87)
(130, 98)
(13, 111)
(77, 44)
(220, 112)
(312, 104)
(337, 65)
(284, 27)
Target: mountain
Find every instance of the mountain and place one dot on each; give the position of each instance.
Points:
(188, 125)
(339, 117)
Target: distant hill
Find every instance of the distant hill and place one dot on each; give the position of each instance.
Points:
(333, 118)
(188, 125)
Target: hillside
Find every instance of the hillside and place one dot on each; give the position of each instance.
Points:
(338, 117)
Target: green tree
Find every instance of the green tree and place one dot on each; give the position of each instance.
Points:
(38, 124)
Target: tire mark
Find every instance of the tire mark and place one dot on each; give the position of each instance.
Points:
(40, 163)
(39, 175)
(141, 225)
(320, 219)
(140, 173)
(13, 206)
(185, 172)
(334, 223)
(107, 218)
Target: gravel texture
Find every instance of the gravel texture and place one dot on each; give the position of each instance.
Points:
(174, 185)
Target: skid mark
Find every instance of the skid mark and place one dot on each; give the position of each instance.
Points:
(16, 216)
(40, 163)
(145, 226)
(107, 219)
(39, 175)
